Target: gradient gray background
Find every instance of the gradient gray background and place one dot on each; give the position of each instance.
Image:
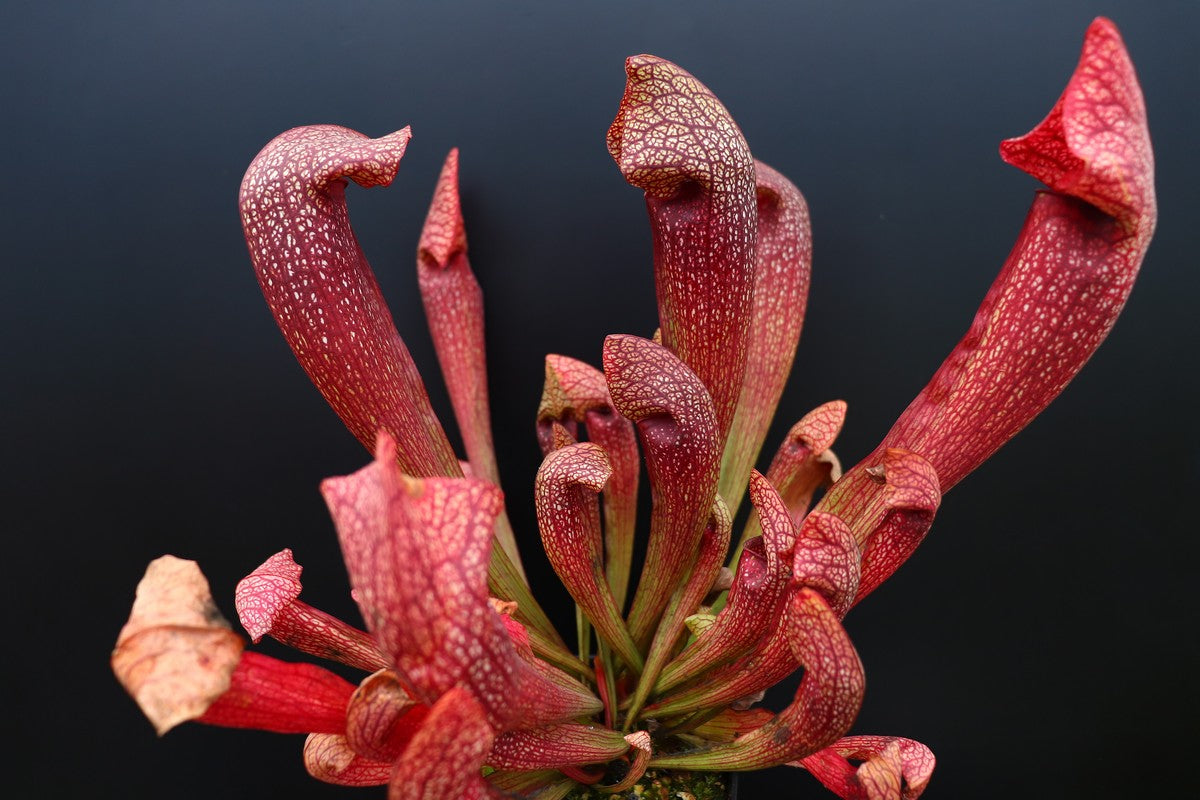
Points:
(1042, 641)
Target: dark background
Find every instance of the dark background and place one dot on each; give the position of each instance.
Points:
(1042, 641)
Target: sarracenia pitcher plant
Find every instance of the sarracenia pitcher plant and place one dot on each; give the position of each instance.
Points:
(467, 690)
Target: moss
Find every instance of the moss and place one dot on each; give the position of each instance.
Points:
(663, 785)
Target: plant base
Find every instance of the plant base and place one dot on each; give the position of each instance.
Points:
(659, 784)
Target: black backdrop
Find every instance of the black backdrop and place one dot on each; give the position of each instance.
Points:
(1042, 641)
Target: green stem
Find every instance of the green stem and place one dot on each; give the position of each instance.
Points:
(583, 635)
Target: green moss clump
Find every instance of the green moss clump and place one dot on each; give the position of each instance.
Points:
(663, 785)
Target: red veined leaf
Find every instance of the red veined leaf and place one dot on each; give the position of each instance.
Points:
(454, 307)
(912, 496)
(267, 694)
(323, 293)
(506, 581)
(417, 553)
(1094, 144)
(328, 757)
(558, 671)
(560, 437)
(180, 661)
(555, 746)
(910, 762)
(804, 462)
(888, 502)
(714, 544)
(731, 723)
(880, 776)
(517, 632)
(673, 139)
(770, 662)
(533, 647)
(524, 782)
(443, 760)
(827, 559)
(575, 392)
(782, 272)
(569, 520)
(382, 717)
(1067, 278)
(754, 601)
(640, 743)
(675, 420)
(268, 605)
(825, 706)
